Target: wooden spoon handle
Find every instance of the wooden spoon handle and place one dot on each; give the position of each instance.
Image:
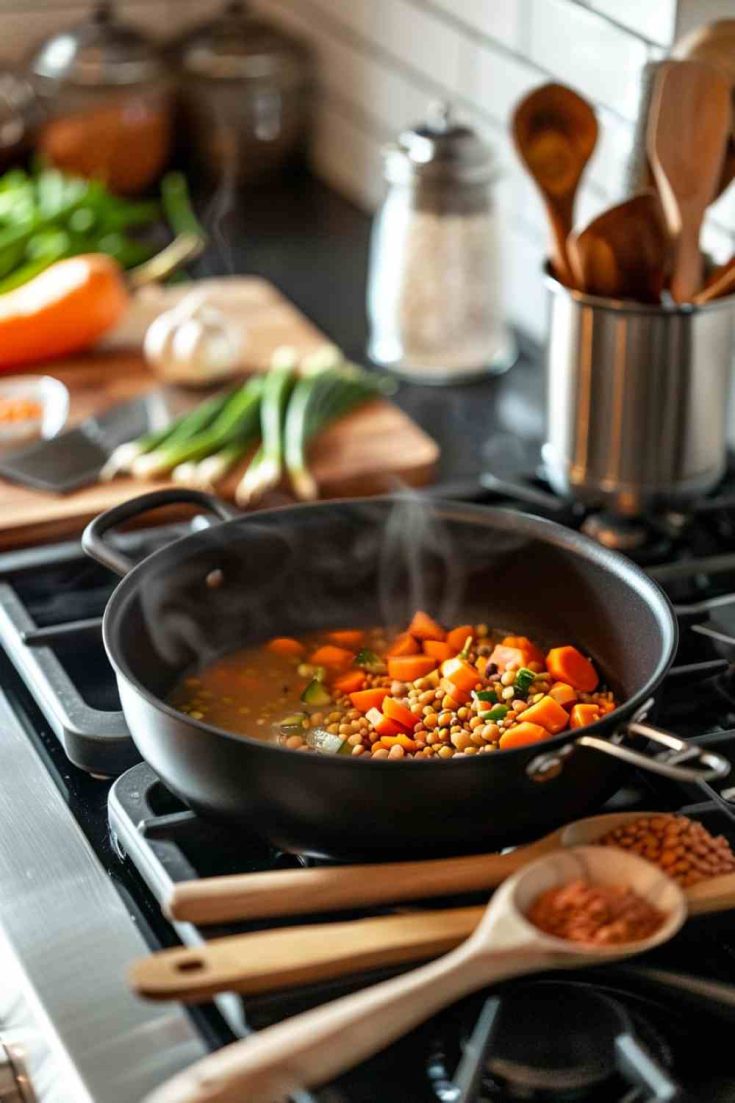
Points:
(686, 278)
(268, 960)
(300, 891)
(714, 895)
(314, 1047)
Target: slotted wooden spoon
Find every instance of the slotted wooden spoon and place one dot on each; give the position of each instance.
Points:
(314, 1047)
(555, 133)
(624, 253)
(688, 131)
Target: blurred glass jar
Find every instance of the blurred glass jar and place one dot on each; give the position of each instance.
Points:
(107, 97)
(19, 116)
(434, 286)
(245, 95)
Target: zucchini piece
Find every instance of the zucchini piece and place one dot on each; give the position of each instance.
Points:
(325, 742)
(293, 722)
(487, 695)
(316, 693)
(369, 661)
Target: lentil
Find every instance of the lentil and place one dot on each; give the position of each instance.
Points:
(603, 915)
(683, 848)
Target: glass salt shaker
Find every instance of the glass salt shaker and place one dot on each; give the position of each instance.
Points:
(434, 286)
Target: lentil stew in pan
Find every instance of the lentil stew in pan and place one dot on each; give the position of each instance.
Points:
(424, 692)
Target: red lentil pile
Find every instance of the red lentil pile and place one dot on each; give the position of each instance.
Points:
(600, 915)
(683, 848)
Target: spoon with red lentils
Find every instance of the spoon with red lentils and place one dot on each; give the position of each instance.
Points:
(574, 907)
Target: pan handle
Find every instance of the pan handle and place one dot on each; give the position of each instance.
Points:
(93, 538)
(704, 765)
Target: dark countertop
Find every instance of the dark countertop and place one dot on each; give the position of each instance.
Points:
(313, 245)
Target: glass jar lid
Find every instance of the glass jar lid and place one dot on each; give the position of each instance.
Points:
(439, 150)
(237, 46)
(100, 51)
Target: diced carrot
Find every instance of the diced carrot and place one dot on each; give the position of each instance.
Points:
(383, 724)
(458, 637)
(366, 699)
(394, 710)
(502, 656)
(453, 697)
(407, 668)
(438, 650)
(481, 664)
(351, 682)
(423, 627)
(548, 714)
(563, 694)
(566, 664)
(404, 644)
(582, 715)
(347, 637)
(533, 654)
(335, 658)
(284, 645)
(400, 740)
(521, 735)
(461, 674)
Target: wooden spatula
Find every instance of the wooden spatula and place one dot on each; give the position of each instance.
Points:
(688, 130)
(555, 133)
(624, 253)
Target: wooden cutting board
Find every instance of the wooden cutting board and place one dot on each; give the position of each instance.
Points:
(373, 450)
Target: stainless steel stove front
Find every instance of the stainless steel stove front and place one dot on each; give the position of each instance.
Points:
(66, 940)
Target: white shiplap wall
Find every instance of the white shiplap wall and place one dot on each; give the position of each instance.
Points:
(382, 61)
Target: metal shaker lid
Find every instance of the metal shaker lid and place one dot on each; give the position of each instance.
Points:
(236, 45)
(440, 150)
(99, 51)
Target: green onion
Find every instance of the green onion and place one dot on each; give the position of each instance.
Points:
(524, 679)
(181, 429)
(238, 421)
(499, 712)
(487, 695)
(264, 474)
(211, 470)
(317, 399)
(177, 205)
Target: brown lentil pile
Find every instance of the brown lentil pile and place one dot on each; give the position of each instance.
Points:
(601, 915)
(424, 692)
(682, 848)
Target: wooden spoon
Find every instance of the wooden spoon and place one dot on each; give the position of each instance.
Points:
(721, 282)
(267, 961)
(327, 888)
(624, 253)
(688, 130)
(555, 133)
(312, 1048)
(290, 957)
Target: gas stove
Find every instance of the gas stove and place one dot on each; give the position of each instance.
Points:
(91, 842)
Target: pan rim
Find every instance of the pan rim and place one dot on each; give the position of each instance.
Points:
(548, 531)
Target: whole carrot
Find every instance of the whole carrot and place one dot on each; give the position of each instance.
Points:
(61, 311)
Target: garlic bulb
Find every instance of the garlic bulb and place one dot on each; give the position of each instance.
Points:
(193, 343)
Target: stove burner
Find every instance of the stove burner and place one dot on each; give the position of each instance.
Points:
(577, 1055)
(556, 1040)
(624, 534)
